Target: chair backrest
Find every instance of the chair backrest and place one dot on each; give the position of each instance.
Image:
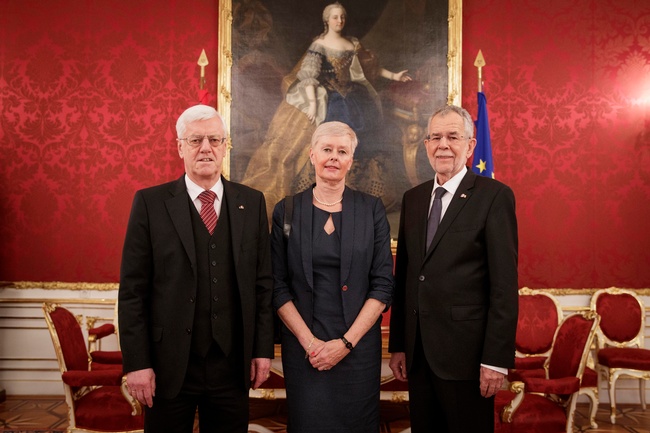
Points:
(69, 342)
(539, 316)
(622, 317)
(572, 345)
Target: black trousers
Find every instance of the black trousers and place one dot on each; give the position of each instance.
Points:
(214, 386)
(446, 406)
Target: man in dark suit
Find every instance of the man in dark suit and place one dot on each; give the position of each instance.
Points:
(195, 314)
(454, 313)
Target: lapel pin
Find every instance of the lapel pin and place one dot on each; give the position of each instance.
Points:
(241, 206)
(463, 196)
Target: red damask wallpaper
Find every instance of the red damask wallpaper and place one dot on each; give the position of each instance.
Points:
(90, 91)
(568, 89)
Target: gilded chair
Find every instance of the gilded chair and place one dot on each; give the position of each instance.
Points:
(547, 404)
(97, 399)
(97, 333)
(620, 349)
(540, 314)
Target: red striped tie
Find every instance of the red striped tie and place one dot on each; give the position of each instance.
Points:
(208, 214)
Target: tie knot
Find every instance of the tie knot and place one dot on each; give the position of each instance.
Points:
(438, 193)
(207, 197)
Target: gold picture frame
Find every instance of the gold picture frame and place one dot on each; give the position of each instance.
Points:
(229, 56)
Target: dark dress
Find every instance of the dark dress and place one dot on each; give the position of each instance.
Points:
(345, 398)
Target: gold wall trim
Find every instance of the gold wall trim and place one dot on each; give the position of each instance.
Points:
(224, 73)
(589, 291)
(58, 285)
(66, 301)
(455, 52)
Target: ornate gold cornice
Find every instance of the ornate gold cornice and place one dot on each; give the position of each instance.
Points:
(587, 291)
(58, 285)
(105, 287)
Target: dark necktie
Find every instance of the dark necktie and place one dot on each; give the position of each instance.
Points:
(208, 214)
(434, 215)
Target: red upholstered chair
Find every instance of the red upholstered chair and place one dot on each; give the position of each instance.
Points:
(539, 317)
(547, 404)
(540, 314)
(620, 340)
(97, 399)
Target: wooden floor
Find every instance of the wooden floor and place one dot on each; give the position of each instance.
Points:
(48, 415)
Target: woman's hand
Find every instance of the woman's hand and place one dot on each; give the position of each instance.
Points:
(328, 354)
(402, 76)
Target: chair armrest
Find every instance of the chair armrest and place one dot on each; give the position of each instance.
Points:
(136, 407)
(509, 409)
(79, 378)
(102, 331)
(107, 356)
(561, 386)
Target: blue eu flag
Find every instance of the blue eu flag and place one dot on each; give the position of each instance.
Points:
(483, 163)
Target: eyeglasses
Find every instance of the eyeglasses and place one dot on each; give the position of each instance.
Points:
(197, 140)
(437, 138)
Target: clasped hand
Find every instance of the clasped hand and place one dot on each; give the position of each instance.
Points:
(326, 354)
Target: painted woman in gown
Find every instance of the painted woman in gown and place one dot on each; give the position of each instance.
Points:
(333, 278)
(332, 82)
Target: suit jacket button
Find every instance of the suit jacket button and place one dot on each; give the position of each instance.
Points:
(192, 299)
(421, 278)
(344, 288)
(415, 312)
(188, 330)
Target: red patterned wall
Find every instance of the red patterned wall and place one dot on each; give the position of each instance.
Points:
(89, 94)
(568, 88)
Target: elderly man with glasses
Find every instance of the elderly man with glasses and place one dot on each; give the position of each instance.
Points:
(454, 313)
(195, 315)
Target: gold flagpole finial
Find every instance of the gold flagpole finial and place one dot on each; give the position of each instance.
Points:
(479, 62)
(203, 62)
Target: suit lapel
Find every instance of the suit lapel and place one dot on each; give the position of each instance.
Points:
(348, 220)
(306, 218)
(179, 212)
(235, 205)
(421, 216)
(458, 201)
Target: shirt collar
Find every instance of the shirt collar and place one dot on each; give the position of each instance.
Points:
(452, 184)
(194, 190)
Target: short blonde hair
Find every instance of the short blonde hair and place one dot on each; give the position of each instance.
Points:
(335, 129)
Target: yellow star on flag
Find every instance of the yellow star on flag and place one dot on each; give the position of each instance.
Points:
(481, 166)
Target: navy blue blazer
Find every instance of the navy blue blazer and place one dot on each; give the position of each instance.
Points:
(366, 259)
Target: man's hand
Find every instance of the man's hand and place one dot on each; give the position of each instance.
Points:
(491, 381)
(260, 371)
(142, 385)
(398, 365)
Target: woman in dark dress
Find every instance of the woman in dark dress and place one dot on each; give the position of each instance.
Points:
(333, 279)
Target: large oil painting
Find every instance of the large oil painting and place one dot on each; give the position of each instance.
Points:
(401, 61)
